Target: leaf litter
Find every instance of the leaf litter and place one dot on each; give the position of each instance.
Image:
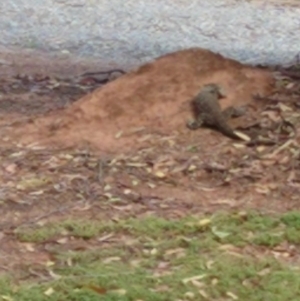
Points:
(167, 176)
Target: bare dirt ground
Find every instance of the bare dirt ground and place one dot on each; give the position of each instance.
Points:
(124, 150)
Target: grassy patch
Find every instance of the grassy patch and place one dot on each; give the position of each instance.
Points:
(221, 257)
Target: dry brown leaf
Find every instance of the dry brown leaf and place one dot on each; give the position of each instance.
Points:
(178, 251)
(120, 292)
(197, 283)
(145, 138)
(239, 145)
(11, 168)
(105, 237)
(39, 192)
(242, 136)
(151, 185)
(290, 86)
(72, 177)
(287, 144)
(54, 275)
(135, 164)
(230, 202)
(163, 265)
(228, 247)
(65, 156)
(232, 296)
(160, 288)
(32, 183)
(204, 222)
(272, 115)
(192, 168)
(135, 182)
(160, 174)
(269, 162)
(111, 259)
(153, 251)
(62, 241)
(97, 289)
(127, 191)
(119, 135)
(189, 295)
(17, 154)
(180, 168)
(262, 189)
(198, 277)
(29, 247)
(264, 272)
(107, 187)
(49, 291)
(215, 281)
(50, 263)
(284, 108)
(203, 294)
(260, 149)
(209, 264)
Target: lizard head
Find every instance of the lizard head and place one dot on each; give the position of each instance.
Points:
(214, 89)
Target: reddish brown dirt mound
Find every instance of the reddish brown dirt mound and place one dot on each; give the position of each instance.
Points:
(155, 96)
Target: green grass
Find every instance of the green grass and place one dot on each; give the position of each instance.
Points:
(218, 257)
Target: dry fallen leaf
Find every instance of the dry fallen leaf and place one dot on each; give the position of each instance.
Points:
(151, 185)
(239, 145)
(284, 108)
(62, 241)
(49, 291)
(204, 222)
(11, 168)
(29, 247)
(218, 233)
(272, 115)
(119, 135)
(198, 277)
(32, 183)
(232, 296)
(159, 174)
(189, 295)
(49, 263)
(120, 292)
(197, 283)
(264, 272)
(242, 136)
(97, 289)
(204, 294)
(262, 189)
(111, 259)
(7, 298)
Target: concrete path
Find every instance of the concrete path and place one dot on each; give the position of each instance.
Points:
(135, 31)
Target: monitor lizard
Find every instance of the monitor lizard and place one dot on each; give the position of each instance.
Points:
(207, 111)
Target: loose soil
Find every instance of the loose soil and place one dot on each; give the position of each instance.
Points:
(111, 146)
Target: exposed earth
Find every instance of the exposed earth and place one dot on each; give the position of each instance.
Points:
(109, 146)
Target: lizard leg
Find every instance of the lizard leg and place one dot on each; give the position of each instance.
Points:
(233, 112)
(194, 124)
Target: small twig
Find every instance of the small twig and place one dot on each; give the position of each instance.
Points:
(101, 165)
(35, 220)
(281, 148)
(214, 167)
(258, 97)
(103, 72)
(261, 141)
(291, 74)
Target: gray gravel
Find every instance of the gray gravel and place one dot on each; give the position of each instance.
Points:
(135, 31)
